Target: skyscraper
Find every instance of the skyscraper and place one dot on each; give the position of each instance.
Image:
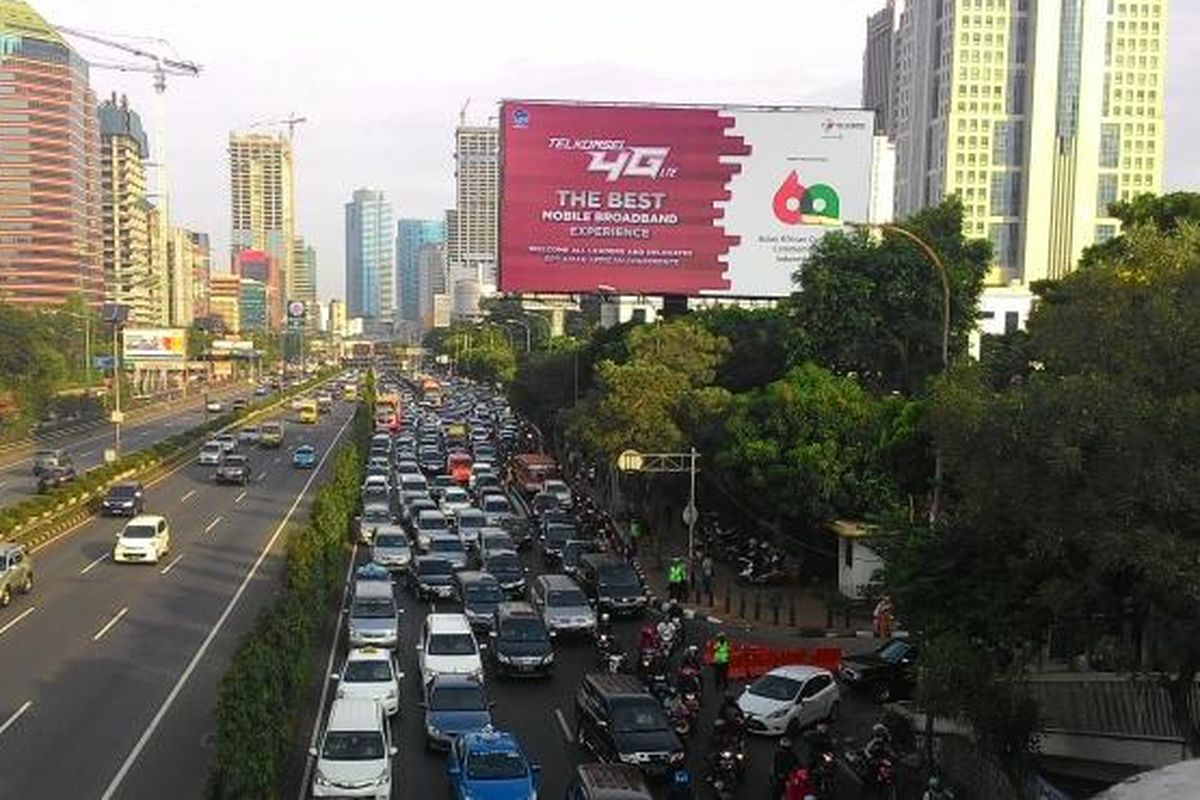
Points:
(411, 236)
(186, 260)
(304, 262)
(51, 245)
(263, 205)
(125, 223)
(262, 267)
(1037, 115)
(477, 182)
(877, 84)
(434, 280)
(370, 257)
(202, 269)
(224, 300)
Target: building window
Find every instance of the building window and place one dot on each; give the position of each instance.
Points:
(1106, 193)
(1006, 242)
(1105, 233)
(1012, 322)
(1110, 145)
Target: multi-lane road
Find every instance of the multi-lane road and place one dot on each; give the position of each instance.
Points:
(87, 444)
(109, 672)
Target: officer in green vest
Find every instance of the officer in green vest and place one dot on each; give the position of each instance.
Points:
(677, 580)
(720, 662)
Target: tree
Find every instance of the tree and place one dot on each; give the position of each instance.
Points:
(873, 307)
(761, 344)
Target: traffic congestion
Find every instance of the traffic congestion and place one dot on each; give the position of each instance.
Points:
(499, 639)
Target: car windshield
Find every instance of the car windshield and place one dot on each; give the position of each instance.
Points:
(480, 593)
(212, 446)
(496, 766)
(458, 698)
(503, 564)
(433, 567)
(451, 644)
(524, 630)
(470, 521)
(495, 503)
(373, 608)
(376, 513)
(391, 540)
(775, 687)
(455, 495)
(445, 546)
(235, 461)
(138, 532)
(638, 715)
(894, 651)
(367, 671)
(432, 522)
(304, 451)
(122, 491)
(497, 543)
(566, 597)
(559, 533)
(619, 578)
(353, 746)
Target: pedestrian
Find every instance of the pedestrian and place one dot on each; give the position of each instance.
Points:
(677, 580)
(635, 533)
(707, 572)
(720, 662)
(883, 617)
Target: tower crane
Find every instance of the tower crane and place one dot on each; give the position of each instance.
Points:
(292, 121)
(162, 65)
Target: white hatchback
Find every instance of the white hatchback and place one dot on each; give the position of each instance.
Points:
(145, 538)
(354, 758)
(370, 674)
(789, 699)
(448, 647)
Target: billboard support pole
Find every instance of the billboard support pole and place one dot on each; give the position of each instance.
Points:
(116, 390)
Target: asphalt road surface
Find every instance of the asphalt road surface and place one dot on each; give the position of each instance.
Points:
(541, 712)
(86, 447)
(109, 672)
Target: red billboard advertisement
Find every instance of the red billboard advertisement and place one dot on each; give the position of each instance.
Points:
(689, 200)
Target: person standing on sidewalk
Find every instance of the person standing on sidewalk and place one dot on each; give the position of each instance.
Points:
(883, 617)
(720, 662)
(707, 572)
(677, 580)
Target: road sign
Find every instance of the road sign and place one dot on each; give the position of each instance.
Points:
(629, 461)
(690, 515)
(110, 455)
(118, 416)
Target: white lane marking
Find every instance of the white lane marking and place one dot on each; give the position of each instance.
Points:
(213, 524)
(130, 759)
(562, 724)
(8, 723)
(108, 625)
(188, 496)
(333, 648)
(171, 566)
(238, 499)
(86, 453)
(262, 477)
(89, 567)
(17, 619)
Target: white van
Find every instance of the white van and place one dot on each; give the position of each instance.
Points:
(354, 758)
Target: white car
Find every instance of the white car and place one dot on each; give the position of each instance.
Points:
(370, 674)
(145, 538)
(214, 406)
(454, 499)
(789, 699)
(448, 647)
(376, 486)
(227, 441)
(211, 453)
(560, 490)
(354, 758)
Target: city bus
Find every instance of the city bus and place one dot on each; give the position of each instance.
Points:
(529, 471)
(431, 392)
(308, 412)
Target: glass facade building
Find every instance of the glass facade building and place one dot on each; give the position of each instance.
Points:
(411, 236)
(370, 257)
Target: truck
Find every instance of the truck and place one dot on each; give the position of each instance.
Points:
(271, 434)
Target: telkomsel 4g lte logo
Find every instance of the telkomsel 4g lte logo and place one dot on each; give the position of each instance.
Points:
(797, 204)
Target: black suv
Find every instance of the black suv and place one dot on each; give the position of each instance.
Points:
(520, 642)
(56, 476)
(618, 720)
(612, 583)
(888, 673)
(608, 782)
(432, 578)
(124, 499)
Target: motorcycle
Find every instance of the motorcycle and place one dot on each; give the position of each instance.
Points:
(670, 633)
(724, 774)
(877, 775)
(823, 772)
(681, 715)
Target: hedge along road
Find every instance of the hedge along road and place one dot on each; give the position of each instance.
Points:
(89, 680)
(86, 448)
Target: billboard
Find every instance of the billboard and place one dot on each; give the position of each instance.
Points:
(690, 200)
(155, 344)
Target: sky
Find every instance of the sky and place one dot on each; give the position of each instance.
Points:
(382, 82)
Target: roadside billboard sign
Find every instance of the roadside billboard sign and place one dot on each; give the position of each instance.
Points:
(686, 200)
(155, 344)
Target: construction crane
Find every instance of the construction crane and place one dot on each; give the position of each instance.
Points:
(162, 66)
(292, 121)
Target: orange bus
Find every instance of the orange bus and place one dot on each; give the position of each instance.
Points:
(458, 464)
(529, 471)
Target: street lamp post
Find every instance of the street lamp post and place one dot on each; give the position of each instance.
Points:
(935, 510)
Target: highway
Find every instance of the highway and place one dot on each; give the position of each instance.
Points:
(110, 671)
(86, 447)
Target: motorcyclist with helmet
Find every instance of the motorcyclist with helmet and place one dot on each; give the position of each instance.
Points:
(783, 764)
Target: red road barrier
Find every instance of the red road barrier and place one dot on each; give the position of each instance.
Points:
(750, 661)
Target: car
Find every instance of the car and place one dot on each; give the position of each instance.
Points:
(124, 500)
(376, 486)
(211, 453)
(449, 547)
(374, 619)
(454, 499)
(16, 571)
(370, 673)
(234, 469)
(429, 524)
(438, 484)
(354, 757)
(788, 699)
(410, 467)
(56, 476)
(887, 673)
(432, 461)
(496, 509)
(227, 440)
(555, 536)
(469, 522)
(563, 605)
(145, 538)
(48, 459)
(520, 642)
(239, 404)
(608, 782)
(492, 539)
(560, 490)
(521, 529)
(251, 434)
(374, 514)
(454, 705)
(270, 434)
(542, 503)
(378, 573)
(506, 567)
(480, 594)
(413, 483)
(432, 578)
(390, 548)
(617, 719)
(448, 647)
(214, 406)
(491, 764)
(612, 583)
(574, 550)
(261, 391)
(304, 457)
